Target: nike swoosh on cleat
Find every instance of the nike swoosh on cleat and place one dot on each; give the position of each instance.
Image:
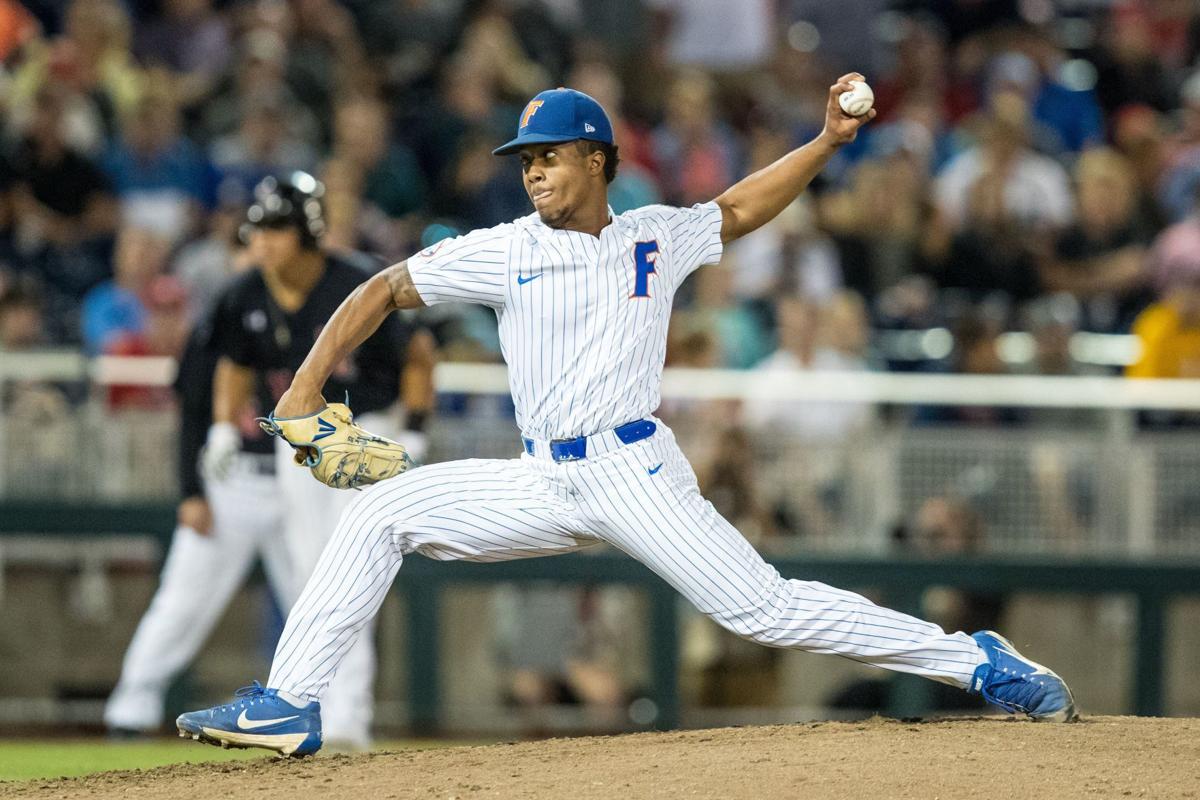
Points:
(522, 280)
(656, 469)
(1038, 669)
(247, 724)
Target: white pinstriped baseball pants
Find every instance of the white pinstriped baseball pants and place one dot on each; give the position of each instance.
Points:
(498, 509)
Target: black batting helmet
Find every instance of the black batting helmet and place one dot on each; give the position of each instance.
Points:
(291, 202)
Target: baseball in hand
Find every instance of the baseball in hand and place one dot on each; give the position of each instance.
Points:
(858, 100)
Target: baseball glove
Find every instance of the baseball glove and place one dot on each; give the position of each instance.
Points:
(336, 450)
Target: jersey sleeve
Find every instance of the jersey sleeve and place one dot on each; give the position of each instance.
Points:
(466, 269)
(193, 386)
(694, 235)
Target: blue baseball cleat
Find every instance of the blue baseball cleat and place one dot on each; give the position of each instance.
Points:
(258, 717)
(1016, 684)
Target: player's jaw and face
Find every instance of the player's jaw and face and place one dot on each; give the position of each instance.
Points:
(273, 249)
(561, 178)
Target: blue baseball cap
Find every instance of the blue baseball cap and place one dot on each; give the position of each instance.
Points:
(559, 115)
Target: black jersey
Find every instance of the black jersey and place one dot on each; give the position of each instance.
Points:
(251, 329)
(194, 387)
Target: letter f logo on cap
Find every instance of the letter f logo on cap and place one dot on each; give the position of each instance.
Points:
(530, 110)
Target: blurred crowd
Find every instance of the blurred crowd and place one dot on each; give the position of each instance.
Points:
(1034, 166)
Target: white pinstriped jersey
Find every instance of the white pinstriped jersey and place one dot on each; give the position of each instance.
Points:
(583, 319)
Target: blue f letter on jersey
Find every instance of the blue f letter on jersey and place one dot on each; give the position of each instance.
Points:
(644, 254)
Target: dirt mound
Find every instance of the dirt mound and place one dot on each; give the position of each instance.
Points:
(1100, 757)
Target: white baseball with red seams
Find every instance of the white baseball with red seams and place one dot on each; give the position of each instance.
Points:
(583, 327)
(859, 100)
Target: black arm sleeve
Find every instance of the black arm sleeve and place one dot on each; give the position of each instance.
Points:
(193, 385)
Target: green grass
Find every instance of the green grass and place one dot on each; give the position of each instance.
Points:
(58, 758)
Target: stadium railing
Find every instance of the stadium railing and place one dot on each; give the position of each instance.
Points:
(1098, 499)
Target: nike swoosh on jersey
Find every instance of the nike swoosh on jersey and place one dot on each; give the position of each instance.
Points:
(522, 280)
(655, 470)
(247, 724)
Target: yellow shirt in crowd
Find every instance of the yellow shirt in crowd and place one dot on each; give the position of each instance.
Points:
(1169, 350)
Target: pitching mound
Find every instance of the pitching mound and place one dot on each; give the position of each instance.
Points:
(1101, 757)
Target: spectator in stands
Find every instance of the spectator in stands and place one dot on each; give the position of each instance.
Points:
(376, 184)
(728, 478)
(741, 337)
(1100, 258)
(205, 264)
(563, 646)
(1065, 114)
(92, 61)
(1053, 320)
(923, 72)
(1000, 205)
(191, 41)
(1180, 179)
(878, 222)
(22, 326)
(326, 59)
(951, 526)
(807, 446)
(695, 151)
(636, 184)
(1064, 475)
(1169, 331)
(1129, 69)
(17, 28)
(260, 71)
(481, 189)
(62, 198)
(976, 352)
(829, 337)
(64, 214)
(1030, 188)
(788, 255)
(466, 104)
(1139, 134)
(162, 180)
(491, 40)
(8, 221)
(116, 309)
(715, 35)
(263, 145)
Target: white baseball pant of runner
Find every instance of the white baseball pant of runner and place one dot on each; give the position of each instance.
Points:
(642, 498)
(311, 512)
(199, 578)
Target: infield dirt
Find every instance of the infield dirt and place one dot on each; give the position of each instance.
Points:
(1100, 757)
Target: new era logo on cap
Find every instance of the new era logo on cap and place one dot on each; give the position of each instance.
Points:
(559, 115)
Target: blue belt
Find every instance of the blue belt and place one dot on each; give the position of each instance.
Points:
(576, 449)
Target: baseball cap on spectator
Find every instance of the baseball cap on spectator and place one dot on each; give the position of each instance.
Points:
(559, 115)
